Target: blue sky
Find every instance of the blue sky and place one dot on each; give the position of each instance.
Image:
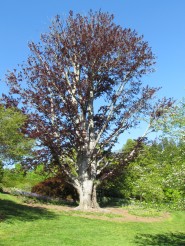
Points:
(162, 22)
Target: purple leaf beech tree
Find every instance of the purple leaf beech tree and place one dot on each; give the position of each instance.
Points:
(80, 89)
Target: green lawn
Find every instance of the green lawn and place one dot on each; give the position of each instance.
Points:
(24, 225)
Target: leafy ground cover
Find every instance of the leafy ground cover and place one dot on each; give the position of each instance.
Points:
(23, 224)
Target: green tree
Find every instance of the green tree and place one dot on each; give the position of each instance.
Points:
(157, 174)
(140, 179)
(1, 173)
(119, 184)
(173, 159)
(172, 123)
(13, 143)
(18, 178)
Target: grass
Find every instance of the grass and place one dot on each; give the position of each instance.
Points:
(142, 211)
(22, 225)
(97, 214)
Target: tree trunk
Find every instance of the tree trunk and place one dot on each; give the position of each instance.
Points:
(94, 197)
(86, 186)
(87, 195)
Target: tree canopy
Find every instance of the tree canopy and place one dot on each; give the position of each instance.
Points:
(80, 88)
(172, 123)
(14, 145)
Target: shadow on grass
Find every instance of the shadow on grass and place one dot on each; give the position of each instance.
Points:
(11, 210)
(168, 239)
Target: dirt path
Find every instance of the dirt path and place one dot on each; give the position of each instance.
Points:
(108, 214)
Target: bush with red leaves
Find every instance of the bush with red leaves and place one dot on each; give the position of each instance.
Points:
(56, 187)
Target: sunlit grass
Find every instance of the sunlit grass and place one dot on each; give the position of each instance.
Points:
(22, 225)
(144, 211)
(96, 214)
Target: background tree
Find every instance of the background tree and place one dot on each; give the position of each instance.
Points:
(14, 145)
(81, 88)
(1, 174)
(172, 123)
(16, 177)
(157, 174)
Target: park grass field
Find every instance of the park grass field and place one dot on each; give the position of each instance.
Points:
(23, 224)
